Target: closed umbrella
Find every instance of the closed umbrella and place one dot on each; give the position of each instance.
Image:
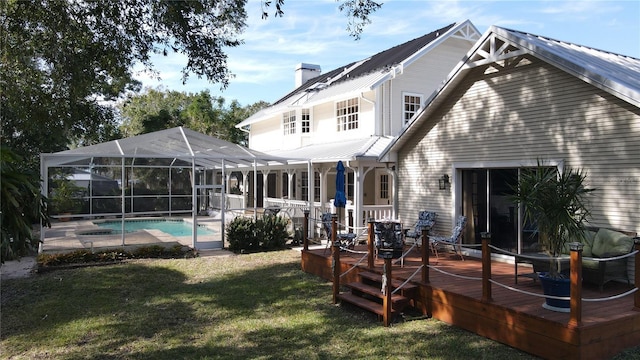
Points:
(340, 200)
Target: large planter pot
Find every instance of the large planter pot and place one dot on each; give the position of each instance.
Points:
(555, 287)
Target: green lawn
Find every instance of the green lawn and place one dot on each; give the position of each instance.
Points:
(258, 306)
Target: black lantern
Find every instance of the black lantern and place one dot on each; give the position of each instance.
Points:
(389, 240)
(443, 182)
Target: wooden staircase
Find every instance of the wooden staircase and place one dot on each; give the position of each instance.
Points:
(367, 294)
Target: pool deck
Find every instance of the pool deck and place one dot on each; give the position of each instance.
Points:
(66, 236)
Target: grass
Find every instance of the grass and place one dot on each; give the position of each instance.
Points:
(257, 306)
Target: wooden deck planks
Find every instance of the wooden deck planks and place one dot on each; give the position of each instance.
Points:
(511, 317)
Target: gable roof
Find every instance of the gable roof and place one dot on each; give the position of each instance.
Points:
(363, 75)
(616, 74)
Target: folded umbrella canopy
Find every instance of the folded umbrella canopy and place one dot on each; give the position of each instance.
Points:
(340, 200)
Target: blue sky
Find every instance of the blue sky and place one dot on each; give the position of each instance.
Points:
(313, 31)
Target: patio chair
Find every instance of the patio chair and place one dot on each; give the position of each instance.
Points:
(426, 220)
(455, 240)
(347, 240)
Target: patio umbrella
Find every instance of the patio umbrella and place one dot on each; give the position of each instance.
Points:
(340, 200)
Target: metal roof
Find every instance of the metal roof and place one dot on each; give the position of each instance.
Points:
(356, 77)
(616, 74)
(176, 144)
(353, 149)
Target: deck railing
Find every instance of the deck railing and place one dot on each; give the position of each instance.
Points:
(575, 275)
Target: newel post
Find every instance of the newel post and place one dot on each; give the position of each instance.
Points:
(386, 300)
(636, 297)
(370, 241)
(575, 264)
(486, 266)
(425, 255)
(335, 259)
(305, 231)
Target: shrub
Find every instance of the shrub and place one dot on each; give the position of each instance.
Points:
(272, 232)
(86, 256)
(241, 235)
(247, 235)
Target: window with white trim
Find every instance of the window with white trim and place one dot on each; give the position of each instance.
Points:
(289, 122)
(411, 105)
(347, 114)
(305, 121)
(304, 186)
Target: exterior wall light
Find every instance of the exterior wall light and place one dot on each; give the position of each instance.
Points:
(443, 182)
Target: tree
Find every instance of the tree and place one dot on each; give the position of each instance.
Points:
(156, 110)
(61, 59)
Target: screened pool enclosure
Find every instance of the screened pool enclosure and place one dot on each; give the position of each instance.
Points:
(175, 174)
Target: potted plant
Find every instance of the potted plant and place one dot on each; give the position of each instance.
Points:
(557, 203)
(64, 199)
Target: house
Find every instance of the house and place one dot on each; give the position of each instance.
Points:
(514, 99)
(349, 114)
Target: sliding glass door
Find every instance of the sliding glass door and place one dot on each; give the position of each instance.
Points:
(486, 203)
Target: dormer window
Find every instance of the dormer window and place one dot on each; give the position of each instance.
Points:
(411, 105)
(347, 114)
(289, 122)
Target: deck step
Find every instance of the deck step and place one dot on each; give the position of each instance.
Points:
(360, 289)
(364, 303)
(370, 277)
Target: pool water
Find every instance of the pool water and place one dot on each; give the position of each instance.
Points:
(171, 227)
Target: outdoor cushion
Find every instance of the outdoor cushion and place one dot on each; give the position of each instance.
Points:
(587, 244)
(611, 243)
(587, 249)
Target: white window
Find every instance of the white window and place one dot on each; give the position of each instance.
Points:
(347, 114)
(305, 118)
(411, 104)
(289, 122)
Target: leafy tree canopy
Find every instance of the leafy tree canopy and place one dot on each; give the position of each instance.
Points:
(62, 59)
(156, 109)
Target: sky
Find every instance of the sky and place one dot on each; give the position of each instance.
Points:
(314, 32)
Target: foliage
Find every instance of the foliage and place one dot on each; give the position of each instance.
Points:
(86, 256)
(557, 204)
(22, 206)
(61, 59)
(358, 12)
(246, 235)
(257, 306)
(156, 110)
(65, 197)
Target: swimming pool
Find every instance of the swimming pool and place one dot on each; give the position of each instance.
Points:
(174, 227)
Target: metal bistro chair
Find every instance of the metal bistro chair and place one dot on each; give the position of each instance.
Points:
(426, 221)
(347, 240)
(455, 240)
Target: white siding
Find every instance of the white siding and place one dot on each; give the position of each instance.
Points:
(266, 135)
(424, 76)
(535, 111)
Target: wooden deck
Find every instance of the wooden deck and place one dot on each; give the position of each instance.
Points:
(510, 317)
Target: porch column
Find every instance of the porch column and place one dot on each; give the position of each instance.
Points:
(323, 187)
(394, 191)
(290, 174)
(245, 187)
(265, 187)
(358, 196)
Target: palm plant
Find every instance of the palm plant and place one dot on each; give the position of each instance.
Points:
(557, 204)
(22, 205)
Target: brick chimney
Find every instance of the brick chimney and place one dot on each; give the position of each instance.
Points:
(306, 72)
